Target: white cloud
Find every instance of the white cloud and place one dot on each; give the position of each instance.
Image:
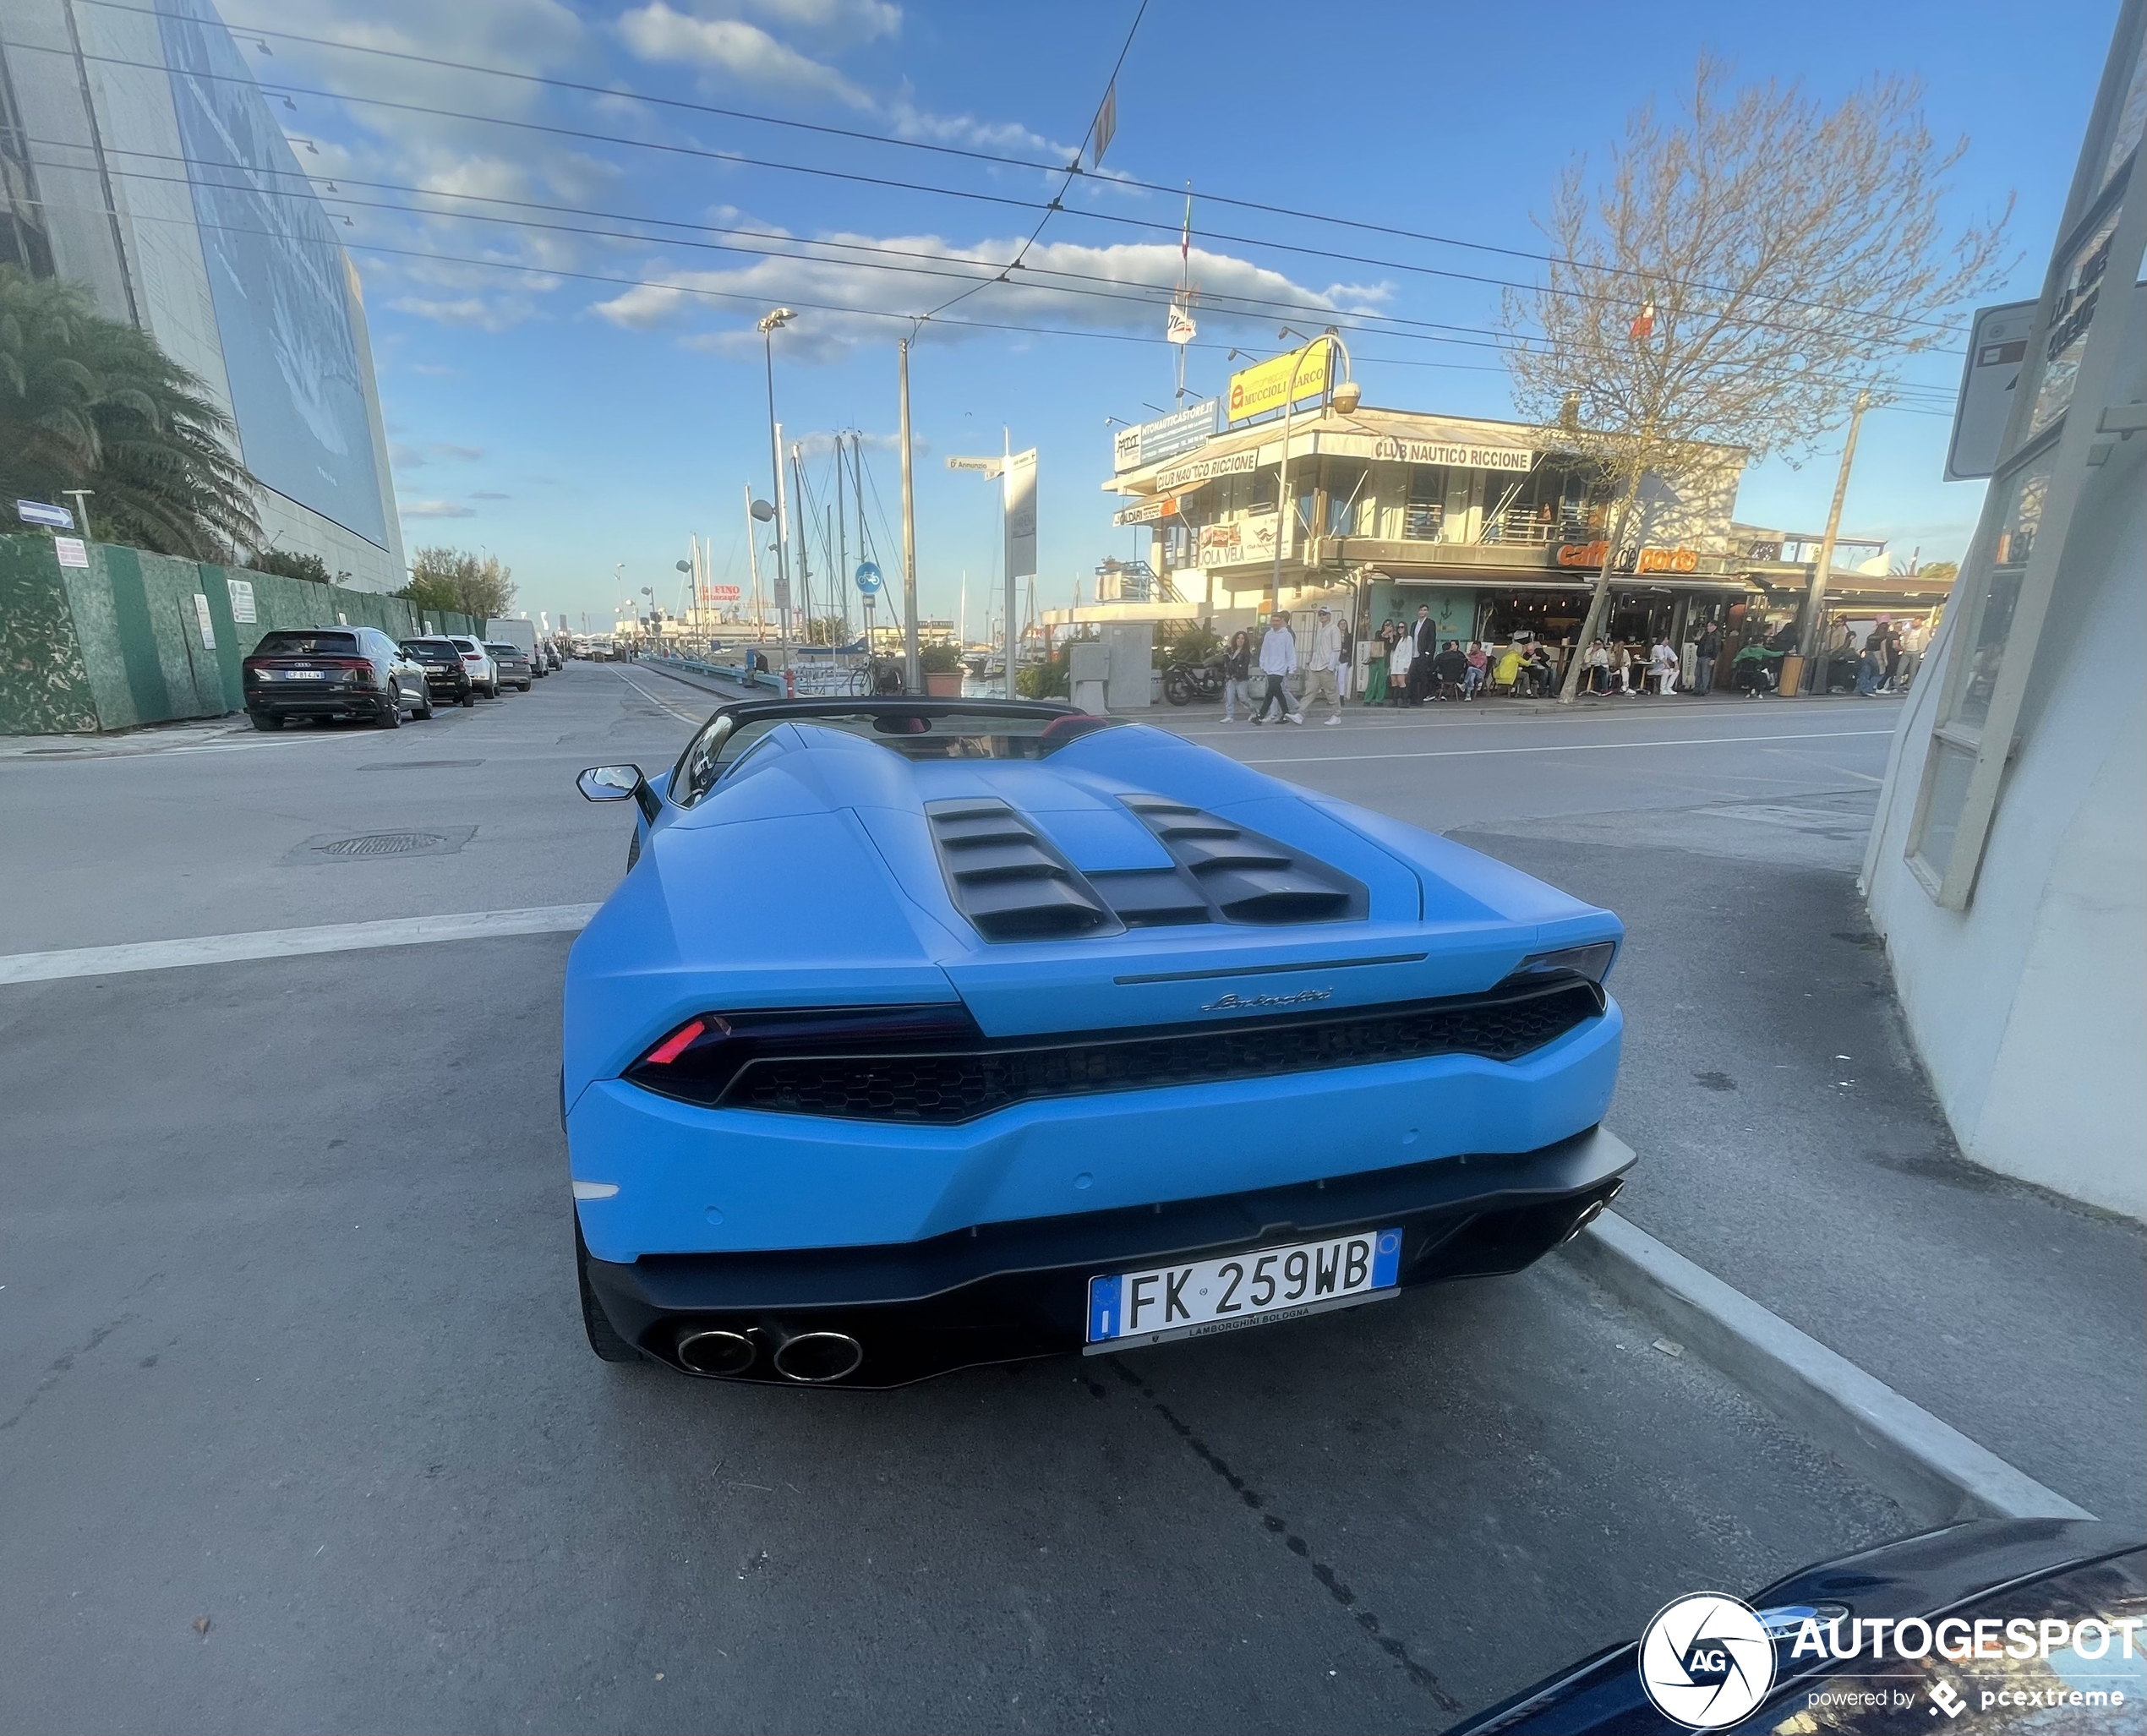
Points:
(842, 301)
(401, 457)
(448, 450)
(435, 509)
(729, 46)
(486, 313)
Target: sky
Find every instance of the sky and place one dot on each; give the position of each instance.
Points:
(574, 382)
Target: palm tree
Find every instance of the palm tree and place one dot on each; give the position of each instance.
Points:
(88, 402)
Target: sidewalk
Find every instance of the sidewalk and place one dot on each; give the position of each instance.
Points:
(1790, 1143)
(1623, 705)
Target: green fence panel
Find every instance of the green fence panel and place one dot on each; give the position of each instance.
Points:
(45, 688)
(121, 642)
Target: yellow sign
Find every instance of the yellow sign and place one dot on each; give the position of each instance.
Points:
(1264, 387)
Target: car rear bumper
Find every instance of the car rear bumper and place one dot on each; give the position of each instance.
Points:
(333, 702)
(452, 685)
(1006, 1291)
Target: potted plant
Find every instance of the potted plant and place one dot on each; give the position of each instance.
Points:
(941, 666)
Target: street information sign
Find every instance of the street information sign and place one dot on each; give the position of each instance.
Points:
(868, 578)
(44, 512)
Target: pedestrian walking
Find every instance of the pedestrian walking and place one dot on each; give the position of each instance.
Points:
(1237, 676)
(1323, 665)
(1346, 668)
(1278, 662)
(1705, 654)
(1913, 639)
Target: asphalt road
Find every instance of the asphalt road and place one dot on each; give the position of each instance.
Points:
(288, 1343)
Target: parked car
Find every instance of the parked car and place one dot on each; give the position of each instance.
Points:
(445, 678)
(553, 660)
(476, 663)
(1809, 1653)
(1052, 1033)
(513, 664)
(331, 672)
(516, 630)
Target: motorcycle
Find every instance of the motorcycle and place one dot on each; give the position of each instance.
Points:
(1184, 682)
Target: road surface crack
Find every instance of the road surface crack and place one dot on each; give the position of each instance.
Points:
(1335, 1586)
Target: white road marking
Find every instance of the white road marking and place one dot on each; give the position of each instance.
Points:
(291, 942)
(683, 717)
(1470, 753)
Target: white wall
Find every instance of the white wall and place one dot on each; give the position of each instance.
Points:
(2029, 1008)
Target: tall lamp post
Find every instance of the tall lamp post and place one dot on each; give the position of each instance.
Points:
(768, 323)
(1285, 513)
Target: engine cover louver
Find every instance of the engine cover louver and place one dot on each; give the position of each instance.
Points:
(1007, 879)
(1013, 884)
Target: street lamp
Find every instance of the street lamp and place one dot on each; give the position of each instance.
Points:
(1285, 513)
(768, 323)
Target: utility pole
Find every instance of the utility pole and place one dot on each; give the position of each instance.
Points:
(805, 553)
(768, 323)
(753, 556)
(912, 681)
(1812, 641)
(1012, 632)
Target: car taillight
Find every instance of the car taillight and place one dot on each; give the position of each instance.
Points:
(698, 1061)
(470, 657)
(1592, 963)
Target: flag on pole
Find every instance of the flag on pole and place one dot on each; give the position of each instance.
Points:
(1106, 123)
(1643, 324)
(1178, 327)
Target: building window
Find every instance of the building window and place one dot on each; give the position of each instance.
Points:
(1425, 515)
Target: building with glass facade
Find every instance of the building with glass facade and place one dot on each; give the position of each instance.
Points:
(139, 158)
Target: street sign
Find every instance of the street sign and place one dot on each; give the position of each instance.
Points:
(71, 551)
(982, 467)
(43, 512)
(1997, 354)
(868, 579)
(1019, 483)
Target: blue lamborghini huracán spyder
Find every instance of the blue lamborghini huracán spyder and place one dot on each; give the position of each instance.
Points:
(928, 1033)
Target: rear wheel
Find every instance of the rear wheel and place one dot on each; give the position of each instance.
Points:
(423, 710)
(391, 716)
(603, 1337)
(262, 720)
(1177, 687)
(469, 700)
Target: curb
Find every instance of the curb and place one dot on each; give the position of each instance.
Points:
(1928, 1467)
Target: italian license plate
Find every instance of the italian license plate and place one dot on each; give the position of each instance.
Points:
(305, 674)
(1254, 1289)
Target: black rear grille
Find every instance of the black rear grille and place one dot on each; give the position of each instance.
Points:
(959, 1085)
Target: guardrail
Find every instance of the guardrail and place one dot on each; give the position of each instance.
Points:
(809, 680)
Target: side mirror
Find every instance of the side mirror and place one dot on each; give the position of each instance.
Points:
(611, 783)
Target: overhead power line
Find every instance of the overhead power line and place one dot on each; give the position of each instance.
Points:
(977, 274)
(702, 294)
(1651, 281)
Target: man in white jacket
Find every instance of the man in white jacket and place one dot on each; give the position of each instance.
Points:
(1278, 662)
(1323, 666)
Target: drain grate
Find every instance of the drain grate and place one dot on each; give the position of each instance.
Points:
(382, 843)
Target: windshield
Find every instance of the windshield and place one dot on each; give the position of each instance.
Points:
(307, 644)
(981, 735)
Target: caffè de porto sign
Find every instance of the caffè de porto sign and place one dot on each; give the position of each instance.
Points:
(1650, 561)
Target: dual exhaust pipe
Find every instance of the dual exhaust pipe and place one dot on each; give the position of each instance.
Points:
(816, 1358)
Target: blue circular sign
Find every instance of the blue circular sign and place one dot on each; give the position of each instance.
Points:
(868, 578)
